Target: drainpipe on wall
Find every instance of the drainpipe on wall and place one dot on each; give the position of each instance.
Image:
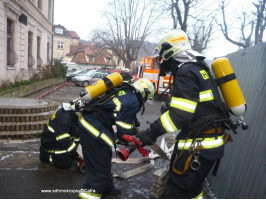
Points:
(52, 48)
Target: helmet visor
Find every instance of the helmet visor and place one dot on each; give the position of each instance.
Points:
(156, 52)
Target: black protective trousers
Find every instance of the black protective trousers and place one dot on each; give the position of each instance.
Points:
(63, 161)
(97, 158)
(188, 185)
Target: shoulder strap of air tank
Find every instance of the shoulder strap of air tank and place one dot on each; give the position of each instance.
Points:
(221, 108)
(217, 98)
(102, 99)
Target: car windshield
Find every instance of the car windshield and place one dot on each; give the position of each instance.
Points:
(79, 72)
(90, 73)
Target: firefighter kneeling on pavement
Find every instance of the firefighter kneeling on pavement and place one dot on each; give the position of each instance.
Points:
(119, 107)
(60, 138)
(194, 111)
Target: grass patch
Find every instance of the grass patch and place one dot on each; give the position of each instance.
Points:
(12, 86)
(57, 70)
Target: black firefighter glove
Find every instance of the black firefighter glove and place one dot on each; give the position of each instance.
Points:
(145, 137)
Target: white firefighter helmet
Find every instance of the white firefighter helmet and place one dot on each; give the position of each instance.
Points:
(175, 44)
(145, 87)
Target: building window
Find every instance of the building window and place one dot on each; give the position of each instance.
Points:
(9, 39)
(71, 40)
(60, 45)
(48, 53)
(11, 56)
(50, 10)
(31, 60)
(59, 30)
(40, 4)
(108, 60)
(91, 59)
(39, 60)
(38, 46)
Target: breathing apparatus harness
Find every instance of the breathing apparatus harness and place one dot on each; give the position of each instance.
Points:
(95, 106)
(225, 118)
(213, 124)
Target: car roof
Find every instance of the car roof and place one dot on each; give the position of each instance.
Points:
(78, 71)
(104, 71)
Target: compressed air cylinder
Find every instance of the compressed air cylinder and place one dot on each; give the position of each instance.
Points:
(92, 91)
(229, 86)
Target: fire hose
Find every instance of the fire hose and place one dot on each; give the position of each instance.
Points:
(163, 151)
(123, 153)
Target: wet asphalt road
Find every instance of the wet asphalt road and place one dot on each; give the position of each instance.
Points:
(22, 175)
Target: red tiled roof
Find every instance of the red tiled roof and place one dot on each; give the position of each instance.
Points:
(98, 54)
(66, 32)
(74, 34)
(73, 49)
(80, 57)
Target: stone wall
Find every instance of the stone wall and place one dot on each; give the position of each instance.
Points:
(29, 89)
(39, 23)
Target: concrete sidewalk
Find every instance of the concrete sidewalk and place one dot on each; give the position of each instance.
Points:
(24, 176)
(22, 171)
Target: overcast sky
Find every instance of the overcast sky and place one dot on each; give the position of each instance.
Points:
(83, 16)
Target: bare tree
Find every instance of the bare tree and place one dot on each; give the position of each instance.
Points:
(260, 21)
(176, 13)
(245, 41)
(201, 18)
(129, 23)
(201, 36)
(247, 21)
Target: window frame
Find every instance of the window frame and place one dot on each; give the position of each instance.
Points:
(60, 45)
(10, 26)
(108, 60)
(90, 59)
(39, 4)
(48, 53)
(39, 59)
(30, 50)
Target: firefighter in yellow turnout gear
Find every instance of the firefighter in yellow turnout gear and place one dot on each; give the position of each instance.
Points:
(193, 110)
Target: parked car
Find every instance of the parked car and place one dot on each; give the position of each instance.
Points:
(90, 77)
(70, 75)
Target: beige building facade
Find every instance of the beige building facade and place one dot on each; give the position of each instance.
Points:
(25, 38)
(65, 41)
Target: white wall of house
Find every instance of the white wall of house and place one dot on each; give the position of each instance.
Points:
(39, 23)
(60, 53)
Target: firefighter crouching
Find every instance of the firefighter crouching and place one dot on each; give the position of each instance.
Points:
(119, 107)
(194, 110)
(60, 137)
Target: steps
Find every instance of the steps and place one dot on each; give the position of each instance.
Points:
(24, 117)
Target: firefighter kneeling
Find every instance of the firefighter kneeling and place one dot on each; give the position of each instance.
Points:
(60, 138)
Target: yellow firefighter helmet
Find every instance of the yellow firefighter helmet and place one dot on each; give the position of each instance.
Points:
(173, 43)
(145, 87)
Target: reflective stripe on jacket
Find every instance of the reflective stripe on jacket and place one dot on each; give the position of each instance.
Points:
(207, 143)
(60, 132)
(96, 132)
(69, 149)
